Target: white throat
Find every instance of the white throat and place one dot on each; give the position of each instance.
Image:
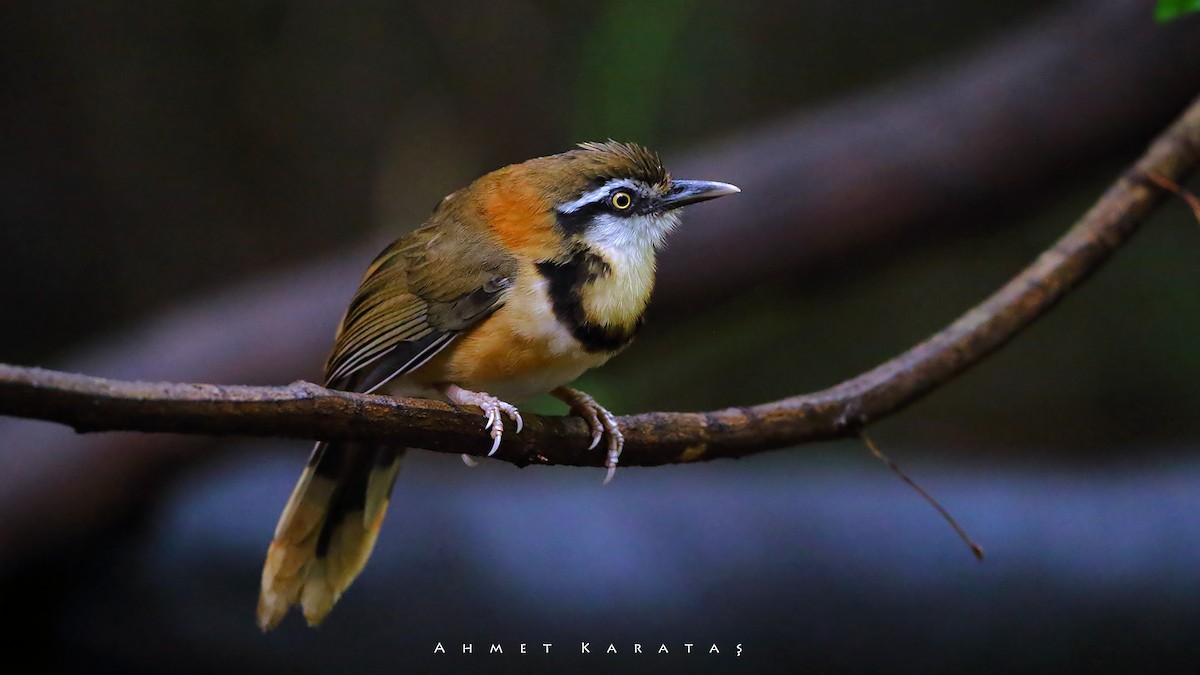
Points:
(628, 245)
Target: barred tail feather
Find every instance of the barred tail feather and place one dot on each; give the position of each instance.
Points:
(327, 530)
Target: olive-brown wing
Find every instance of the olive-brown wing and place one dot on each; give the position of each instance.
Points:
(416, 297)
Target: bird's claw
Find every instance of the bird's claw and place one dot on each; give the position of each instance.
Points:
(592, 416)
(602, 423)
(496, 410)
(493, 408)
(616, 441)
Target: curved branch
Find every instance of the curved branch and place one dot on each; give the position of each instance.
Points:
(304, 410)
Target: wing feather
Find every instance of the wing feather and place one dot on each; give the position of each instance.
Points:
(409, 308)
(440, 342)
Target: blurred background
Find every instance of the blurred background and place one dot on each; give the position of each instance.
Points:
(191, 191)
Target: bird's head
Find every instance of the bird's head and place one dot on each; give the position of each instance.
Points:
(618, 194)
(608, 196)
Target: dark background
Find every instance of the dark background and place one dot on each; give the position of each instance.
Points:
(190, 191)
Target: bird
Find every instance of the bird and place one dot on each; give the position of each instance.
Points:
(515, 285)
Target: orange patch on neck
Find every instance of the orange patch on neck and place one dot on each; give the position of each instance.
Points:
(521, 217)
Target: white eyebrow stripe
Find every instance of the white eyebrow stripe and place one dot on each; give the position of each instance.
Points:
(596, 195)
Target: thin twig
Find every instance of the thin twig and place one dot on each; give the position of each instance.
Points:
(976, 549)
(1167, 184)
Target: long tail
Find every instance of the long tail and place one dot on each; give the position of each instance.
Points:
(327, 530)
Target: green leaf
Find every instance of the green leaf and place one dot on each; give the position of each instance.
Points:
(1172, 9)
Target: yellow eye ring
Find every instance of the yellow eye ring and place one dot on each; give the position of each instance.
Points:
(622, 200)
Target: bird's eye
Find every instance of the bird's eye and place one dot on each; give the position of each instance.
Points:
(622, 200)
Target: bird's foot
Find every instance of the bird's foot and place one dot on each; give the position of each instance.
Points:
(492, 407)
(600, 419)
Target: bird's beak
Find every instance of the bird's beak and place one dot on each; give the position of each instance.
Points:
(684, 192)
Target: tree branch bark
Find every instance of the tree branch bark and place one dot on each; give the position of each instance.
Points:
(303, 410)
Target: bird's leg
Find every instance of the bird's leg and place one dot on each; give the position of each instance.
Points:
(599, 419)
(493, 407)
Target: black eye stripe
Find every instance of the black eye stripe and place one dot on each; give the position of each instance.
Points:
(577, 221)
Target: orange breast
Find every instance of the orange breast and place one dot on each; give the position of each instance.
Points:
(519, 352)
(522, 350)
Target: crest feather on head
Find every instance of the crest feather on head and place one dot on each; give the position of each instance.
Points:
(624, 160)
